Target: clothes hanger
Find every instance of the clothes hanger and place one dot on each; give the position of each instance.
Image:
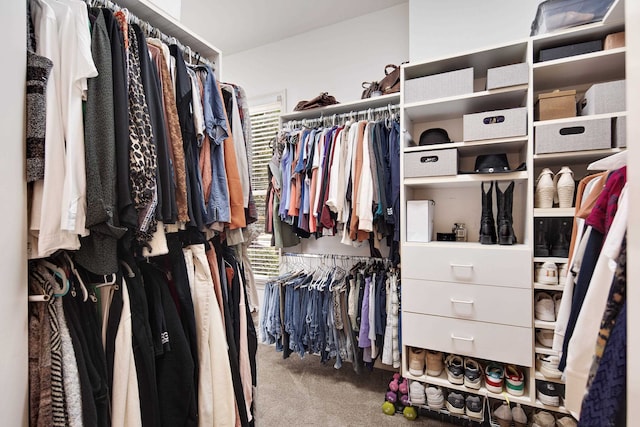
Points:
(43, 296)
(83, 288)
(59, 272)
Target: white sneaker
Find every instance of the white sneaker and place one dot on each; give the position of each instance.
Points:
(545, 337)
(557, 300)
(545, 307)
(546, 273)
(549, 366)
(435, 398)
(545, 190)
(562, 273)
(416, 392)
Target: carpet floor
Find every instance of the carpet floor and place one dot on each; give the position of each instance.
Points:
(304, 392)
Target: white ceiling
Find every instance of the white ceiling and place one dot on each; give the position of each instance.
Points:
(236, 25)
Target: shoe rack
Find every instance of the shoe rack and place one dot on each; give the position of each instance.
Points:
(478, 300)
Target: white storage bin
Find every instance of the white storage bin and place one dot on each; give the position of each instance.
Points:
(441, 85)
(431, 163)
(602, 98)
(495, 124)
(420, 220)
(508, 75)
(620, 132)
(573, 136)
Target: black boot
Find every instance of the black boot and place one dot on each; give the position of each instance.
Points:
(487, 223)
(541, 248)
(560, 247)
(506, 236)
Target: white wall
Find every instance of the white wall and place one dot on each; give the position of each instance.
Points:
(440, 28)
(13, 263)
(334, 59)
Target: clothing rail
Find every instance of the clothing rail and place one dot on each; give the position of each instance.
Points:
(330, 256)
(337, 119)
(152, 31)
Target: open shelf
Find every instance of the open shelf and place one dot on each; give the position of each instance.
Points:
(468, 245)
(463, 180)
(442, 381)
(545, 350)
(580, 118)
(457, 106)
(561, 409)
(446, 412)
(148, 11)
(476, 148)
(573, 157)
(557, 260)
(554, 212)
(541, 324)
(347, 107)
(542, 286)
(604, 65)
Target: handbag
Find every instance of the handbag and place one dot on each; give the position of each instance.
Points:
(321, 100)
(391, 81)
(371, 89)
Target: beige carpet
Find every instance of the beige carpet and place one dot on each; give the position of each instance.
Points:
(303, 392)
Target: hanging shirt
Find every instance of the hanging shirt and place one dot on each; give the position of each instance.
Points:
(46, 235)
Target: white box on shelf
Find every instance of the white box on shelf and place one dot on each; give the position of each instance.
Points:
(441, 85)
(495, 124)
(573, 136)
(508, 75)
(420, 220)
(620, 132)
(602, 98)
(431, 163)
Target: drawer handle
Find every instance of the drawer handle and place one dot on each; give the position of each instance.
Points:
(461, 265)
(460, 301)
(575, 130)
(454, 337)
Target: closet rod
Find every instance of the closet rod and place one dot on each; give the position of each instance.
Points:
(152, 31)
(329, 256)
(335, 118)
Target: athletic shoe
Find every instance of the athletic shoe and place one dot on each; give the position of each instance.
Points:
(545, 337)
(549, 366)
(503, 415)
(435, 398)
(557, 300)
(494, 377)
(473, 407)
(434, 363)
(548, 393)
(416, 361)
(416, 392)
(546, 273)
(514, 377)
(455, 369)
(545, 307)
(472, 374)
(455, 403)
(519, 417)
(562, 273)
(566, 422)
(543, 419)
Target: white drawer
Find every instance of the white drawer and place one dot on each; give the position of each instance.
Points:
(507, 344)
(487, 265)
(509, 306)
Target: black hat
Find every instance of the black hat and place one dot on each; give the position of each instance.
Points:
(495, 163)
(434, 136)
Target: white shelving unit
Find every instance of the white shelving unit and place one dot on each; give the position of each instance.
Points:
(456, 267)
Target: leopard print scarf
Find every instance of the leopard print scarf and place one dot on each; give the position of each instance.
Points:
(142, 151)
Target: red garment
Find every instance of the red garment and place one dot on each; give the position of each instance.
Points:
(606, 207)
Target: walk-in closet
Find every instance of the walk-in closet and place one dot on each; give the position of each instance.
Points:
(389, 212)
